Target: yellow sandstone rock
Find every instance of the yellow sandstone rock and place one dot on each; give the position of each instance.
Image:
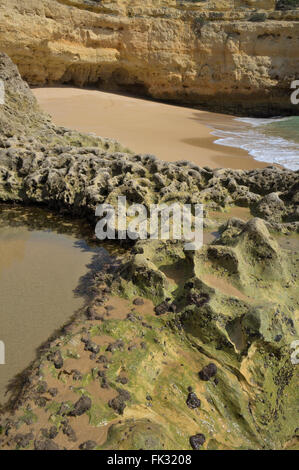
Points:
(237, 57)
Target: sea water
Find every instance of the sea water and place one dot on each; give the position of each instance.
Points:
(274, 141)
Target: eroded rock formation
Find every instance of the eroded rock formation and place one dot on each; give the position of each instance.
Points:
(163, 328)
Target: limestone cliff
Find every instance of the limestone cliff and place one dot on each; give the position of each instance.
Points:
(233, 56)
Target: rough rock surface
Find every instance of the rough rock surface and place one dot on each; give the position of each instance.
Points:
(238, 57)
(234, 304)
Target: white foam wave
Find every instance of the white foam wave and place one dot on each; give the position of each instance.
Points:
(255, 122)
(262, 147)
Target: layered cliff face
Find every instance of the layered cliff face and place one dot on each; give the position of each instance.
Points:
(237, 57)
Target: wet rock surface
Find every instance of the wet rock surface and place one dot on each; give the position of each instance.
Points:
(81, 406)
(193, 401)
(208, 372)
(45, 444)
(197, 441)
(88, 445)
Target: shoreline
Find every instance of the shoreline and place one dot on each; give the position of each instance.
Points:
(170, 132)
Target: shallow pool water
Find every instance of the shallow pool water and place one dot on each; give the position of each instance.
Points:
(44, 266)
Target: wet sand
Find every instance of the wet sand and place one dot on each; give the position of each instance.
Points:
(170, 132)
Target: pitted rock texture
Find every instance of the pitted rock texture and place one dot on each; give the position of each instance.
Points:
(235, 57)
(78, 179)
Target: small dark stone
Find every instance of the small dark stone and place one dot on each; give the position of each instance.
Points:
(165, 307)
(45, 444)
(104, 383)
(23, 440)
(64, 409)
(197, 441)
(49, 433)
(277, 338)
(124, 394)
(91, 313)
(41, 402)
(131, 317)
(193, 401)
(56, 358)
(138, 301)
(69, 432)
(118, 345)
(81, 406)
(88, 445)
(77, 375)
(208, 372)
(109, 308)
(102, 360)
(53, 432)
(117, 404)
(92, 347)
(53, 392)
(85, 338)
(122, 380)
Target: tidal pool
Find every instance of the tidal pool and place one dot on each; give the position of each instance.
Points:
(45, 267)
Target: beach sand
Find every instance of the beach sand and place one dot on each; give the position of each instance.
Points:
(170, 132)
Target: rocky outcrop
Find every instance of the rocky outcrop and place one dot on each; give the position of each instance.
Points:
(218, 371)
(22, 121)
(235, 57)
(77, 179)
(204, 360)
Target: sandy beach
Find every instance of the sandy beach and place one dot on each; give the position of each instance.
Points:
(170, 132)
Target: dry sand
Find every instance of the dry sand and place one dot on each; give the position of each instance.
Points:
(170, 132)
